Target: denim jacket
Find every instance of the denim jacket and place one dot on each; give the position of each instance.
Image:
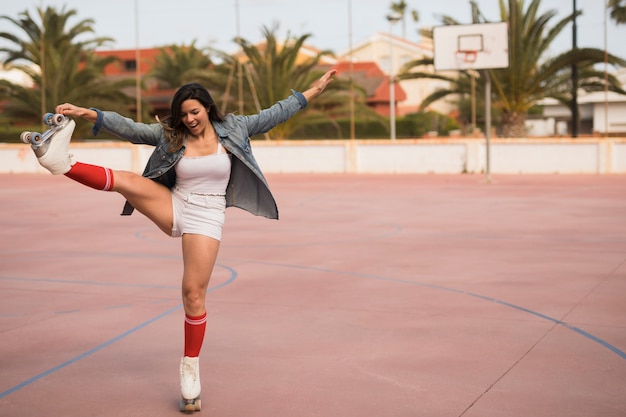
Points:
(247, 187)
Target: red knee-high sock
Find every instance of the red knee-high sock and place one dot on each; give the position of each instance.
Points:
(92, 176)
(194, 334)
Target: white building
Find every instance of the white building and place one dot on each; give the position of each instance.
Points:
(600, 113)
(391, 53)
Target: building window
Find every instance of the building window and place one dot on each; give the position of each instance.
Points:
(130, 65)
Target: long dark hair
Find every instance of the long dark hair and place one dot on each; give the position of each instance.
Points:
(175, 129)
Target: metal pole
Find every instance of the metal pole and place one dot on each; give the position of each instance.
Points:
(392, 92)
(239, 64)
(606, 72)
(574, 80)
(473, 99)
(392, 18)
(487, 125)
(42, 67)
(352, 116)
(137, 60)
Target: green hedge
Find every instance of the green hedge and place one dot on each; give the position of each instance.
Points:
(414, 125)
(11, 134)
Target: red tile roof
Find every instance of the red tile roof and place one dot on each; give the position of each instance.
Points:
(369, 76)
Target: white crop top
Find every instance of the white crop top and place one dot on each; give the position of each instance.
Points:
(207, 174)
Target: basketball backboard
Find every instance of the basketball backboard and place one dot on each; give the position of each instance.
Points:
(478, 46)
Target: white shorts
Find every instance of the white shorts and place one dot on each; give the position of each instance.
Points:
(201, 214)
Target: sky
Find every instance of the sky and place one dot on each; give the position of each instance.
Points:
(216, 23)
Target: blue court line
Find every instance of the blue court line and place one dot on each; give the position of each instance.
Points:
(578, 330)
(85, 354)
(233, 276)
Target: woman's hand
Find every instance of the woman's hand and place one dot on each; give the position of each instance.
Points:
(320, 85)
(70, 110)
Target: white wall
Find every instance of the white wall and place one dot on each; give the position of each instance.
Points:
(615, 118)
(439, 156)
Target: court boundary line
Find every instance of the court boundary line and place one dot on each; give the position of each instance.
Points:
(117, 338)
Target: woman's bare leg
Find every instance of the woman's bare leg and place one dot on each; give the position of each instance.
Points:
(149, 197)
(199, 255)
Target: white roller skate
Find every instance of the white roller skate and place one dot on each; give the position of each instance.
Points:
(52, 147)
(190, 385)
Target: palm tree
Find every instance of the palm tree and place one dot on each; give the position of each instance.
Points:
(60, 67)
(274, 68)
(180, 64)
(618, 11)
(401, 8)
(530, 76)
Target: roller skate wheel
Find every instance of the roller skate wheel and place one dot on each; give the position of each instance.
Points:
(25, 137)
(189, 406)
(36, 138)
(58, 119)
(47, 118)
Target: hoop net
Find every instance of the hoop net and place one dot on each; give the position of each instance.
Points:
(466, 59)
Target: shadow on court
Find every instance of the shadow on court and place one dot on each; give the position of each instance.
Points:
(374, 295)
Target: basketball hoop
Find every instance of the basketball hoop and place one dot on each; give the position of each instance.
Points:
(465, 59)
(471, 47)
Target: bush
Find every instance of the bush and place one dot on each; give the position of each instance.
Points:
(11, 134)
(419, 124)
(414, 125)
(340, 129)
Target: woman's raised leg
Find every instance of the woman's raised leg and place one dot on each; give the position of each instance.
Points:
(148, 197)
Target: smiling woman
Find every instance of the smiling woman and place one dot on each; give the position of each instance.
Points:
(201, 164)
(193, 109)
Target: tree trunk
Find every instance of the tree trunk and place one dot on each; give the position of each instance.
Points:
(514, 125)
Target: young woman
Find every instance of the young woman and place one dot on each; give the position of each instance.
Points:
(202, 163)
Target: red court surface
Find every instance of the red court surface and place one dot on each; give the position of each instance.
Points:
(374, 295)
